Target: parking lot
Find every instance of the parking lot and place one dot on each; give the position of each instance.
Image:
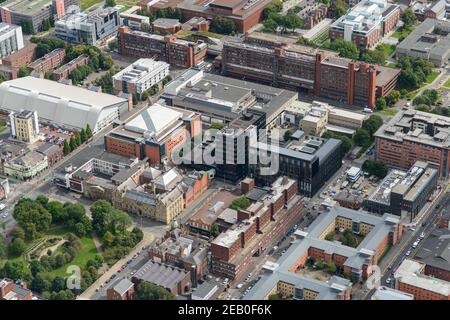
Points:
(54, 135)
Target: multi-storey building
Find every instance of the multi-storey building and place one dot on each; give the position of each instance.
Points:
(27, 166)
(34, 12)
(258, 228)
(310, 70)
(174, 51)
(430, 41)
(153, 134)
(64, 71)
(409, 278)
(366, 23)
(90, 28)
(11, 64)
(140, 76)
(432, 9)
(11, 39)
(412, 136)
(10, 290)
(244, 13)
(50, 61)
(402, 192)
(434, 252)
(310, 244)
(309, 160)
(24, 126)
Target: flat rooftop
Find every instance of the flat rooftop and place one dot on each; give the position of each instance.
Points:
(26, 7)
(211, 210)
(435, 250)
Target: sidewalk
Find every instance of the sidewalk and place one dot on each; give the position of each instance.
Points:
(89, 292)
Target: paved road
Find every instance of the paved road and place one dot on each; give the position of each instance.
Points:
(426, 225)
(90, 292)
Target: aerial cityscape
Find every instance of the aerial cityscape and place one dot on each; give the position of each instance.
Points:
(224, 150)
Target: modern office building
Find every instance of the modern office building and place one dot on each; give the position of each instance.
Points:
(285, 279)
(132, 19)
(176, 52)
(430, 40)
(309, 160)
(91, 27)
(140, 76)
(412, 136)
(366, 23)
(222, 100)
(11, 39)
(402, 193)
(24, 126)
(306, 69)
(33, 12)
(68, 106)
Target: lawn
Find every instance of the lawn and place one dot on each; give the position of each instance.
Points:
(88, 3)
(446, 84)
(391, 65)
(433, 75)
(388, 112)
(388, 49)
(2, 127)
(87, 252)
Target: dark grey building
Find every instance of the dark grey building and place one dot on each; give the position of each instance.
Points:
(402, 192)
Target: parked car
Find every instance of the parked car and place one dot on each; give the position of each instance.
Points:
(408, 253)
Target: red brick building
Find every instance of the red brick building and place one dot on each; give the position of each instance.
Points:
(11, 64)
(50, 61)
(64, 71)
(122, 290)
(310, 70)
(176, 52)
(14, 291)
(258, 228)
(244, 13)
(412, 136)
(134, 138)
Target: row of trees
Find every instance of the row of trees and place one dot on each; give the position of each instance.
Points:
(350, 50)
(364, 136)
(429, 98)
(391, 99)
(77, 140)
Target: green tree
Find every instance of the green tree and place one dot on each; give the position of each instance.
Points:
(346, 49)
(88, 131)
(83, 135)
(223, 25)
(275, 296)
(27, 27)
(319, 264)
(275, 6)
(331, 267)
(393, 97)
(110, 3)
(17, 233)
(149, 291)
(23, 72)
(330, 236)
(270, 25)
(409, 18)
(45, 25)
(287, 135)
(361, 138)
(66, 148)
(372, 124)
(16, 270)
(380, 103)
(72, 144)
(32, 217)
(215, 230)
(376, 168)
(240, 203)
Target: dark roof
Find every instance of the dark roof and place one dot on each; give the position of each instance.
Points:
(435, 250)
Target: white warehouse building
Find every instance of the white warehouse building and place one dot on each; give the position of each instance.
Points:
(70, 107)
